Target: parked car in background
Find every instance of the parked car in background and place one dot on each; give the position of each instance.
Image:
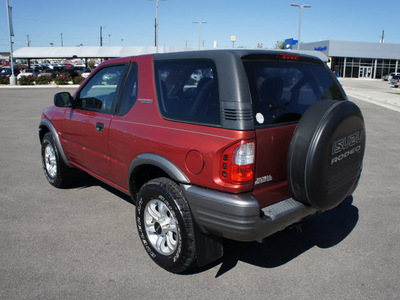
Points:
(390, 76)
(395, 81)
(79, 66)
(7, 71)
(86, 73)
(27, 72)
(47, 72)
(69, 66)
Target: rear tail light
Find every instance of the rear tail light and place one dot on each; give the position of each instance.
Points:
(237, 163)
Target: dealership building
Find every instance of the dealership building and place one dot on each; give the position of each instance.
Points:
(359, 59)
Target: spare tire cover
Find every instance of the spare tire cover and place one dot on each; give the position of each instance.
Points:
(325, 154)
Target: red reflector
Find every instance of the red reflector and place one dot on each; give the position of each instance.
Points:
(242, 173)
(288, 56)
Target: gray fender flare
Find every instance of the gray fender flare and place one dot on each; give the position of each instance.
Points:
(47, 123)
(158, 161)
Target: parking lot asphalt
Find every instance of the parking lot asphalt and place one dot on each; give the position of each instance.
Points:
(81, 243)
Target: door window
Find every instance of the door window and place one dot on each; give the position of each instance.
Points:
(99, 93)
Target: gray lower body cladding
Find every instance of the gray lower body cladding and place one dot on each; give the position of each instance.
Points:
(239, 216)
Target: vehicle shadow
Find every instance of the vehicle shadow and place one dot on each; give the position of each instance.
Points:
(85, 181)
(323, 230)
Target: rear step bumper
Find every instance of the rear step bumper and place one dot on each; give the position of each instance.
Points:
(239, 216)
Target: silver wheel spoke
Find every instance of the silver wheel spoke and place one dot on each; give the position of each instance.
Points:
(153, 212)
(50, 161)
(161, 227)
(150, 228)
(160, 243)
(163, 209)
(171, 242)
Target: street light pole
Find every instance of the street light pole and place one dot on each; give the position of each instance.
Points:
(13, 80)
(199, 22)
(300, 9)
(101, 35)
(156, 25)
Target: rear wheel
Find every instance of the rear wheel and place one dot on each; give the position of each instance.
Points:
(165, 225)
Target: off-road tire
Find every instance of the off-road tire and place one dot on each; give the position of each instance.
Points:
(165, 225)
(56, 171)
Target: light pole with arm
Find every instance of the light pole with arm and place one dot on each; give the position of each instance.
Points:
(300, 9)
(200, 22)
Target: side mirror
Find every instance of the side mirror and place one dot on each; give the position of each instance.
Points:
(63, 99)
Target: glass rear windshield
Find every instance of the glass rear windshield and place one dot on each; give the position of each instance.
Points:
(283, 90)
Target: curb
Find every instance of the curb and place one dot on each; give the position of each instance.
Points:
(383, 103)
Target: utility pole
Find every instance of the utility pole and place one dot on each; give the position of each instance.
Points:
(383, 37)
(156, 25)
(28, 41)
(101, 35)
(13, 80)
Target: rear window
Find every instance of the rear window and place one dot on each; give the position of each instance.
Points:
(187, 91)
(283, 90)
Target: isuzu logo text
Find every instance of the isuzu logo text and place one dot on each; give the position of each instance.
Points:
(346, 146)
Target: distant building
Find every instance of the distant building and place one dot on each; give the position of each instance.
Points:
(359, 59)
(4, 56)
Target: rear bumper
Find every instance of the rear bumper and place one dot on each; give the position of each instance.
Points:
(239, 217)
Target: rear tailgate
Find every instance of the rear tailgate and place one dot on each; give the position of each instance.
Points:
(270, 168)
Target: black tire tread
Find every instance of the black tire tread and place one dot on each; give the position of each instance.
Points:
(163, 185)
(64, 173)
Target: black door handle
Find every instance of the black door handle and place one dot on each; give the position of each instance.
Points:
(100, 127)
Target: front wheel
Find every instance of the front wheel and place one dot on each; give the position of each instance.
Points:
(55, 170)
(165, 225)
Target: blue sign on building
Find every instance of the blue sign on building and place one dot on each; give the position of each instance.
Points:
(320, 48)
(289, 43)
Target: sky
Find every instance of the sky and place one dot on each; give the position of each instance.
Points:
(131, 22)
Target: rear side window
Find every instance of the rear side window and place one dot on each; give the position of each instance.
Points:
(187, 90)
(131, 91)
(283, 90)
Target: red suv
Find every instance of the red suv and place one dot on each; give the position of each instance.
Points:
(209, 145)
